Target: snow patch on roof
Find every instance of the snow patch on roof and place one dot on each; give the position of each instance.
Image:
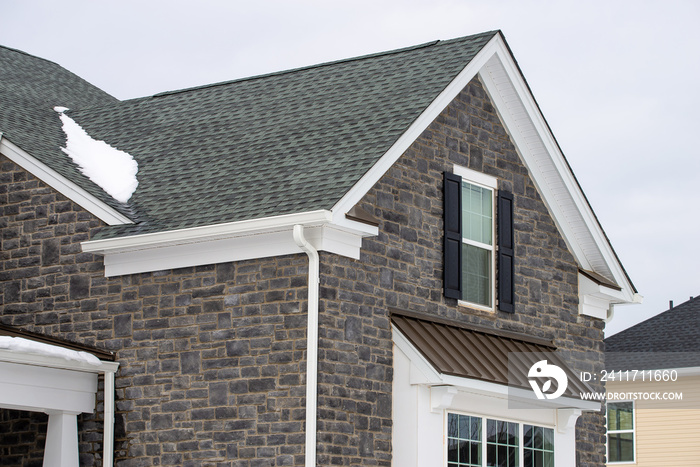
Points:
(26, 346)
(112, 169)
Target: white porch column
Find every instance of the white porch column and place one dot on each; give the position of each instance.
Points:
(61, 440)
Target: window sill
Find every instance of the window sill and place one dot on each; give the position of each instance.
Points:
(474, 306)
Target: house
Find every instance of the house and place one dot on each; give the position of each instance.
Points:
(654, 369)
(322, 266)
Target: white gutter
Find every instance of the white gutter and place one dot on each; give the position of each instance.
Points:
(199, 234)
(311, 345)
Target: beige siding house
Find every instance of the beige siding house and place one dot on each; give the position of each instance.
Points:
(653, 386)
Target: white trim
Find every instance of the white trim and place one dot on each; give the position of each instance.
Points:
(198, 234)
(549, 170)
(258, 238)
(61, 388)
(485, 182)
(355, 194)
(61, 184)
(477, 178)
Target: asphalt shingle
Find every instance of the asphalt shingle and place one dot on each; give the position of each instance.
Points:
(668, 340)
(282, 143)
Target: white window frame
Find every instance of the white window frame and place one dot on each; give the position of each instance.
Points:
(633, 431)
(484, 443)
(491, 183)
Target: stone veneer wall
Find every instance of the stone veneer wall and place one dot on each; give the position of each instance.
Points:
(402, 268)
(212, 359)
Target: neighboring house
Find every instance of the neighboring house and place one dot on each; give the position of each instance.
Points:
(323, 266)
(649, 364)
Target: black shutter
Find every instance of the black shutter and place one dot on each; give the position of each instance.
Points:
(453, 235)
(506, 249)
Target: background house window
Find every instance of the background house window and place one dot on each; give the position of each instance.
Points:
(620, 417)
(477, 244)
(481, 442)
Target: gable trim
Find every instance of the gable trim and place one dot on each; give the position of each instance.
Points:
(539, 151)
(355, 194)
(61, 184)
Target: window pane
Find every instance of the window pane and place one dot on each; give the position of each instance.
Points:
(548, 439)
(620, 416)
(476, 275)
(548, 459)
(491, 431)
(452, 450)
(620, 447)
(539, 446)
(477, 220)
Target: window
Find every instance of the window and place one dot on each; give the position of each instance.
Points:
(477, 244)
(620, 417)
(470, 234)
(478, 442)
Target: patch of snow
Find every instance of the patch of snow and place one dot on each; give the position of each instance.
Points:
(113, 170)
(26, 346)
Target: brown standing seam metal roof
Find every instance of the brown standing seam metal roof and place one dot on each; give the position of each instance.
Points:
(456, 349)
(15, 332)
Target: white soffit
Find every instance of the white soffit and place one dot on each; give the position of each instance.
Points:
(61, 184)
(549, 169)
(537, 148)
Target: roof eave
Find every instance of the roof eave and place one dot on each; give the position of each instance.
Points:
(61, 184)
(233, 241)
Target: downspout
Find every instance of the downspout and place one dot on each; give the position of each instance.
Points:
(108, 442)
(311, 346)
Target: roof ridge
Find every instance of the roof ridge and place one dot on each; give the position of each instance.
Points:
(295, 70)
(320, 65)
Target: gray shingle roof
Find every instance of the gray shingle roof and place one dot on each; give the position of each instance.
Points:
(30, 87)
(269, 145)
(668, 340)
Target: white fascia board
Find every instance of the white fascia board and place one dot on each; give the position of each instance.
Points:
(355, 194)
(41, 389)
(61, 184)
(236, 241)
(205, 233)
(551, 174)
(596, 299)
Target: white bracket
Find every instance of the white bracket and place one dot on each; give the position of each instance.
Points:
(441, 397)
(566, 419)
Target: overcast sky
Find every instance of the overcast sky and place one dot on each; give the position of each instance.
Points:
(618, 82)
